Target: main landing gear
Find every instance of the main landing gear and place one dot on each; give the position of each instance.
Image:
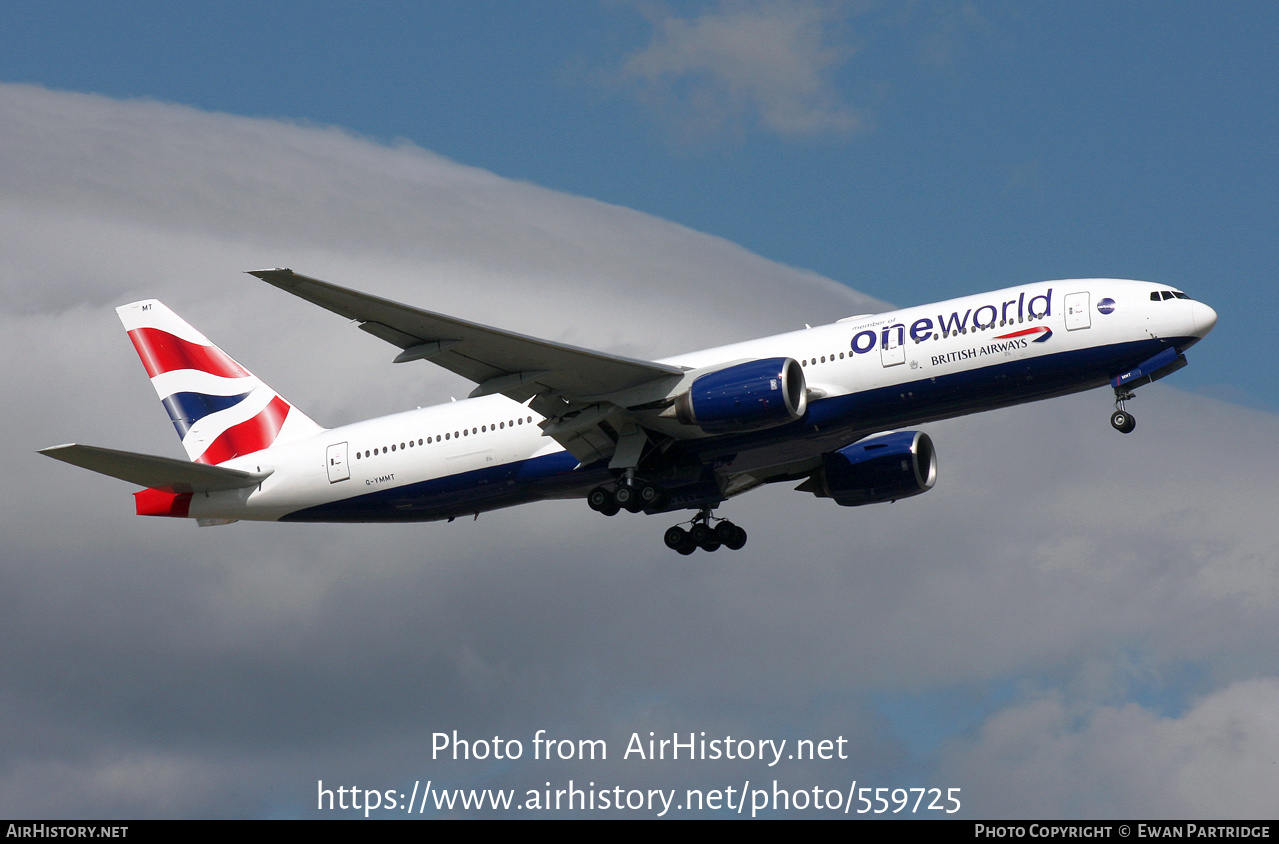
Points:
(638, 495)
(701, 535)
(1122, 421)
(630, 494)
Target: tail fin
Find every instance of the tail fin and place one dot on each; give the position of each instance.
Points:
(219, 408)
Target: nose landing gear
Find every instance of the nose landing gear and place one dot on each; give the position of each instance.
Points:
(1122, 421)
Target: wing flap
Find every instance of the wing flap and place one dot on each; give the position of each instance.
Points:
(392, 335)
(160, 473)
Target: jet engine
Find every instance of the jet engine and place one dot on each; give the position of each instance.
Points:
(744, 397)
(883, 468)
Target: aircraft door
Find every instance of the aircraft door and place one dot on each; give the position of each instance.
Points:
(1077, 315)
(892, 346)
(336, 463)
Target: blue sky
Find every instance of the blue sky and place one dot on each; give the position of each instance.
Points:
(965, 146)
(1068, 606)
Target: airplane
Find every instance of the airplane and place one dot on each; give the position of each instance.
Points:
(829, 407)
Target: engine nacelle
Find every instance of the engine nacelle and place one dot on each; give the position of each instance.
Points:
(883, 468)
(745, 397)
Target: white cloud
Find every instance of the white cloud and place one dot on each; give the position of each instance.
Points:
(770, 64)
(1043, 757)
(222, 671)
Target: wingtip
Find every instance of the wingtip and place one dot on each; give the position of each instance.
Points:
(273, 271)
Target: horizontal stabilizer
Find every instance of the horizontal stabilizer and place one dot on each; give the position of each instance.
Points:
(162, 473)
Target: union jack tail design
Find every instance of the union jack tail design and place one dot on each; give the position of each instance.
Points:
(219, 408)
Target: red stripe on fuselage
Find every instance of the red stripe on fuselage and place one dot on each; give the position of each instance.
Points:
(1022, 333)
(162, 352)
(249, 436)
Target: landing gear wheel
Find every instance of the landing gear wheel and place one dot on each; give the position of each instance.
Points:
(628, 496)
(730, 535)
(1123, 421)
(677, 539)
(651, 495)
(598, 499)
(705, 537)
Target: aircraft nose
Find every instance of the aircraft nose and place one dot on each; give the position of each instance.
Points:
(1204, 316)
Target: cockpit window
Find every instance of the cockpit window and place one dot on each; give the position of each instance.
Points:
(1180, 295)
(1167, 294)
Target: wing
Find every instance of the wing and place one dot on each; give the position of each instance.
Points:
(576, 389)
(147, 470)
(498, 361)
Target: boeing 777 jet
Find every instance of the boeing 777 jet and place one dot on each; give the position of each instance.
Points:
(828, 409)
